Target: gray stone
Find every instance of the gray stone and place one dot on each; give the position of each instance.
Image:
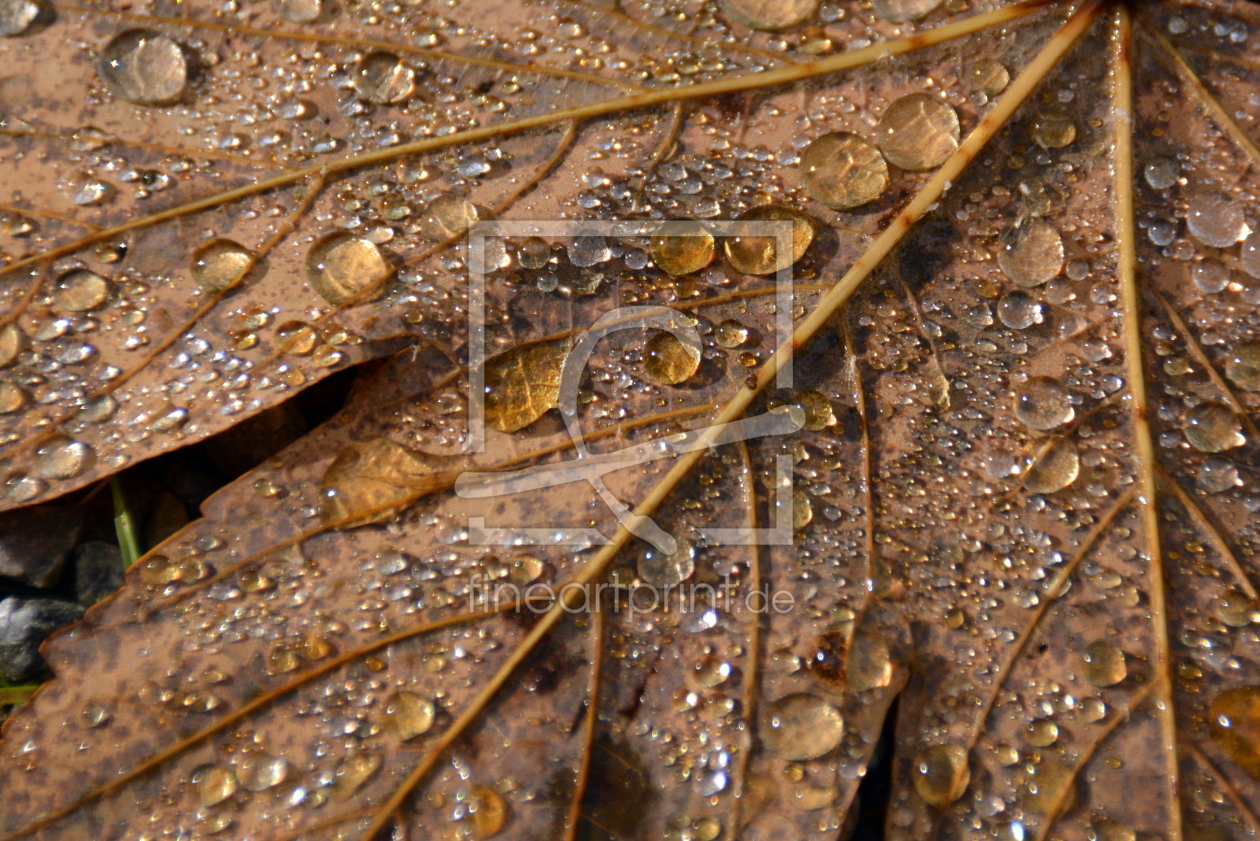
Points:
(98, 571)
(34, 542)
(24, 624)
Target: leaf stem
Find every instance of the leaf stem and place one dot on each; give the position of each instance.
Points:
(124, 525)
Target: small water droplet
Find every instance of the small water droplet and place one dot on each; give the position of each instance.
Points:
(63, 458)
(409, 715)
(299, 11)
(1052, 129)
(770, 14)
(664, 571)
(213, 784)
(801, 726)
(1031, 252)
(989, 76)
(730, 334)
(343, 268)
(261, 771)
(220, 264)
(353, 772)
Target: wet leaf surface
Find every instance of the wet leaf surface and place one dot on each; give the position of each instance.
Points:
(1010, 484)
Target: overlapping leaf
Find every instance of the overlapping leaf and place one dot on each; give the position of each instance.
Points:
(1020, 501)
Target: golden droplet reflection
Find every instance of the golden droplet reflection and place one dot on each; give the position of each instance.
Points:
(383, 78)
(1031, 252)
(144, 67)
(11, 344)
(299, 11)
(1234, 718)
(941, 774)
(989, 76)
(769, 14)
(489, 812)
(81, 290)
(352, 772)
(1052, 129)
(688, 248)
(1056, 465)
(1242, 365)
(918, 132)
(843, 171)
(409, 715)
(12, 398)
(756, 255)
(446, 217)
(669, 360)
(1213, 428)
(900, 11)
(213, 784)
(220, 264)
(523, 383)
(1043, 403)
(261, 771)
(344, 268)
(801, 726)
(369, 480)
(1103, 663)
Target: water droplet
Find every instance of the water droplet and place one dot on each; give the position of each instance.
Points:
(918, 132)
(1104, 663)
(818, 412)
(1250, 257)
(213, 784)
(85, 189)
(368, 480)
(523, 383)
(1052, 129)
(1210, 275)
(17, 16)
(343, 268)
(941, 774)
(900, 11)
(12, 398)
(409, 715)
(769, 14)
(870, 662)
(756, 255)
(670, 361)
(1041, 733)
(730, 334)
(1234, 718)
(688, 248)
(802, 509)
(1031, 252)
(446, 217)
(81, 290)
(801, 726)
(220, 264)
(1242, 365)
(989, 76)
(261, 771)
(62, 458)
(1215, 219)
(489, 812)
(299, 11)
(382, 77)
(353, 772)
(1044, 404)
(94, 714)
(665, 571)
(11, 343)
(534, 253)
(1237, 610)
(1213, 428)
(1162, 173)
(144, 67)
(843, 171)
(1056, 465)
(1019, 310)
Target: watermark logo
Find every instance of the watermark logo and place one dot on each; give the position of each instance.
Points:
(591, 468)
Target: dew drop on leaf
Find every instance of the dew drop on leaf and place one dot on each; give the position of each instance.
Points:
(368, 479)
(296, 337)
(769, 14)
(870, 662)
(663, 571)
(1250, 256)
(534, 253)
(213, 784)
(1031, 252)
(12, 398)
(900, 11)
(1041, 733)
(81, 290)
(1210, 275)
(1103, 663)
(1234, 717)
(408, 715)
(63, 458)
(843, 171)
(1161, 173)
(756, 255)
(669, 360)
(17, 16)
(220, 264)
(688, 248)
(818, 411)
(489, 812)
(801, 726)
(918, 132)
(94, 714)
(383, 78)
(446, 217)
(1052, 129)
(299, 11)
(1043, 404)
(343, 268)
(11, 343)
(144, 67)
(1242, 366)
(802, 509)
(941, 774)
(728, 334)
(261, 771)
(1019, 310)
(989, 76)
(352, 772)
(1055, 466)
(1215, 219)
(1213, 428)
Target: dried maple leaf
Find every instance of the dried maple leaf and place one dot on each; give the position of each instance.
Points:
(1006, 486)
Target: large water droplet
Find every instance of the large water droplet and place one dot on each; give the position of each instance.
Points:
(11, 343)
(144, 67)
(63, 458)
(663, 571)
(213, 784)
(353, 772)
(1234, 718)
(1043, 403)
(1104, 663)
(757, 255)
(1215, 219)
(446, 217)
(1242, 366)
(688, 248)
(1210, 275)
(900, 11)
(1056, 465)
(81, 290)
(382, 77)
(1019, 310)
(989, 76)
(1052, 129)
(12, 398)
(17, 16)
(769, 14)
(299, 11)
(670, 361)
(261, 771)
(220, 264)
(1031, 252)
(1213, 428)
(941, 774)
(409, 715)
(801, 726)
(843, 171)
(918, 132)
(343, 268)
